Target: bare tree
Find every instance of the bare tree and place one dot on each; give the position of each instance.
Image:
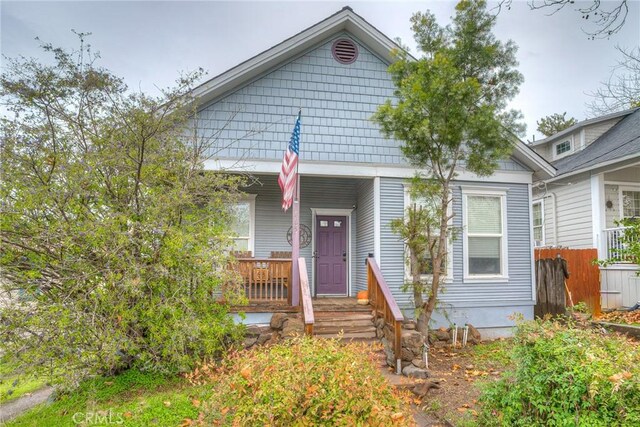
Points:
(607, 17)
(622, 89)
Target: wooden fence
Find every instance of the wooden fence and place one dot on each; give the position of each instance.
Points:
(583, 283)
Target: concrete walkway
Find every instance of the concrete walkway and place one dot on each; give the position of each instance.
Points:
(17, 406)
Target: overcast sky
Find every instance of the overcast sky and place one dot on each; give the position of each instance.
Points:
(149, 43)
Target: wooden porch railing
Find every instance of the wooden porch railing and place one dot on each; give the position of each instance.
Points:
(384, 304)
(265, 279)
(306, 306)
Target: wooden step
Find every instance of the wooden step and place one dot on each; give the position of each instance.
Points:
(362, 323)
(349, 335)
(342, 316)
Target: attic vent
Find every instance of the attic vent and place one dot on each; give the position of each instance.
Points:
(344, 51)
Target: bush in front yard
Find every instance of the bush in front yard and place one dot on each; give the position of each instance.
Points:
(566, 376)
(114, 239)
(304, 381)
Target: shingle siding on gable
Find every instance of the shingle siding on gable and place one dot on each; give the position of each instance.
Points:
(337, 102)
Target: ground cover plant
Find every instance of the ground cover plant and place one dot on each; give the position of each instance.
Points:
(14, 382)
(132, 398)
(303, 381)
(564, 376)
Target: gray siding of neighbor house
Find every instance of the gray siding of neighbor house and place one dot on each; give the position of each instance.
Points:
(572, 213)
(477, 303)
(364, 232)
(272, 224)
(573, 210)
(337, 101)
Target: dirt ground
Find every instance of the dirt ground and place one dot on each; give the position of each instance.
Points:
(452, 390)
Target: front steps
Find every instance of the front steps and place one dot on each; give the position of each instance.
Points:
(343, 317)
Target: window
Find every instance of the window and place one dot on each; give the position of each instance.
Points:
(243, 226)
(538, 223)
(563, 147)
(630, 204)
(484, 233)
(428, 264)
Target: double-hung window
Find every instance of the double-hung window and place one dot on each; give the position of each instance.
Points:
(485, 235)
(243, 223)
(538, 222)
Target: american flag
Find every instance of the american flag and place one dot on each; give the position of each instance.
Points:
(287, 178)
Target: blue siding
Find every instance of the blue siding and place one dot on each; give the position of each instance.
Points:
(391, 247)
(364, 232)
(458, 300)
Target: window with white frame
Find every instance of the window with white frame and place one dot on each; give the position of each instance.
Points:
(538, 222)
(485, 237)
(243, 223)
(428, 263)
(563, 147)
(630, 200)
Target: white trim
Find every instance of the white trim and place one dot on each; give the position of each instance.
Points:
(542, 225)
(251, 198)
(357, 170)
(532, 240)
(554, 148)
(376, 221)
(331, 212)
(583, 139)
(597, 208)
(504, 262)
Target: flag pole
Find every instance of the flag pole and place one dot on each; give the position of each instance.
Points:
(295, 241)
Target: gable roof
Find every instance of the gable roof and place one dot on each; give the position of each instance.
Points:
(344, 20)
(582, 124)
(619, 143)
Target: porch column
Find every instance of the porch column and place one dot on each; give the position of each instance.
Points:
(376, 221)
(295, 247)
(597, 213)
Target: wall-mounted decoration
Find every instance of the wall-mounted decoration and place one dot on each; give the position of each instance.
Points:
(609, 204)
(305, 236)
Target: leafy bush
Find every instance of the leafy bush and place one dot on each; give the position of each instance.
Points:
(304, 381)
(565, 376)
(112, 233)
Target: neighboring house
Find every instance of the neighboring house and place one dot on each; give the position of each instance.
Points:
(597, 183)
(353, 179)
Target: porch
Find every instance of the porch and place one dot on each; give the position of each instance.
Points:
(267, 284)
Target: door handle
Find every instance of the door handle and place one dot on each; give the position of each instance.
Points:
(344, 256)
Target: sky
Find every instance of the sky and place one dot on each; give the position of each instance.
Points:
(150, 43)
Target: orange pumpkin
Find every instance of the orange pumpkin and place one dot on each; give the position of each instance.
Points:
(363, 295)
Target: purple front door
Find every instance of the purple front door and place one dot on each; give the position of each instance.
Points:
(331, 255)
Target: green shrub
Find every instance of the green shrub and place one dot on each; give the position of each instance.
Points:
(564, 376)
(304, 381)
(114, 237)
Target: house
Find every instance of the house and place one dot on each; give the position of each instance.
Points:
(353, 181)
(597, 183)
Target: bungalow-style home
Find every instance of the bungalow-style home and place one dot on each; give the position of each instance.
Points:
(597, 183)
(353, 184)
